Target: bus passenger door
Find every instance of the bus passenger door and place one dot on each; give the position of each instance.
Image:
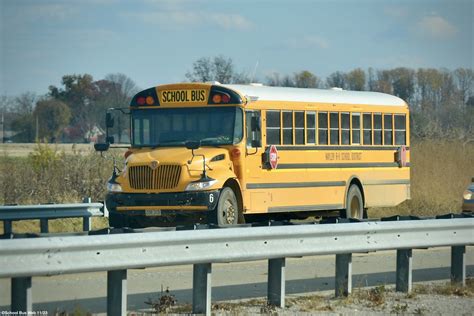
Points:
(255, 201)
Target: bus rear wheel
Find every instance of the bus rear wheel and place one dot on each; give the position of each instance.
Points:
(354, 204)
(226, 212)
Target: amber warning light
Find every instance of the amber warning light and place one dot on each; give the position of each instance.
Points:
(148, 100)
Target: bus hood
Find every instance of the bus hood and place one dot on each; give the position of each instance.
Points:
(175, 155)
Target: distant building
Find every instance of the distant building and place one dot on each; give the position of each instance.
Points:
(92, 135)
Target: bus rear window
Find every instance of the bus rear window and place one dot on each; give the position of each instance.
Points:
(400, 129)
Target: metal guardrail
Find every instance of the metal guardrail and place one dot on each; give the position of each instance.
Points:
(115, 254)
(46, 212)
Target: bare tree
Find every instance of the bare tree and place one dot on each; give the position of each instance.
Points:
(464, 78)
(356, 79)
(218, 68)
(306, 79)
(202, 70)
(336, 80)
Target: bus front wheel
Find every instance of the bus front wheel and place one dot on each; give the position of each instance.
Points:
(227, 210)
(354, 204)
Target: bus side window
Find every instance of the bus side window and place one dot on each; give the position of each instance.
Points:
(311, 127)
(400, 129)
(356, 128)
(377, 129)
(273, 127)
(323, 128)
(334, 128)
(367, 124)
(387, 129)
(299, 128)
(252, 135)
(345, 129)
(287, 127)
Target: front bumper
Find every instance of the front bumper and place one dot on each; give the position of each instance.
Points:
(181, 201)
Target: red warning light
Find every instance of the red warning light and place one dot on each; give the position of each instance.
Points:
(225, 98)
(141, 101)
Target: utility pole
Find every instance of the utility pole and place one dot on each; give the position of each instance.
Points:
(2, 139)
(37, 129)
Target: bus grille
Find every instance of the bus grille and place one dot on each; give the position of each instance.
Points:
(164, 177)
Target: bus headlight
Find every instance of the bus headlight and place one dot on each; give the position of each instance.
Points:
(114, 187)
(468, 195)
(200, 185)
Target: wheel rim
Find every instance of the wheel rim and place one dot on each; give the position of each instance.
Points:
(355, 208)
(228, 212)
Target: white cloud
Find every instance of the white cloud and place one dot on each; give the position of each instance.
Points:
(396, 12)
(180, 18)
(50, 11)
(308, 41)
(435, 26)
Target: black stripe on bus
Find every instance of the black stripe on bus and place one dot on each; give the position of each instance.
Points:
(338, 165)
(387, 182)
(285, 185)
(338, 148)
(302, 208)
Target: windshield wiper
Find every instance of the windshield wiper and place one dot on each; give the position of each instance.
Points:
(168, 143)
(213, 141)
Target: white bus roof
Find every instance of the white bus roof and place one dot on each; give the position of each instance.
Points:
(266, 93)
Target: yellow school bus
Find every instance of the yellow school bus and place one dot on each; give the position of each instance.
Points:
(227, 153)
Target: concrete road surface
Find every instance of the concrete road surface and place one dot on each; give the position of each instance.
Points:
(231, 281)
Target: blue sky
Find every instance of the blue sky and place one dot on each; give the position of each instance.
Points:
(156, 41)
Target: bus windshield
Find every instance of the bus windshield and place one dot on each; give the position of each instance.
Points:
(212, 126)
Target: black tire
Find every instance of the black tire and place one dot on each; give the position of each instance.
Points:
(354, 204)
(227, 210)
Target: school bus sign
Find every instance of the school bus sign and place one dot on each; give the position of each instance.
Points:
(193, 96)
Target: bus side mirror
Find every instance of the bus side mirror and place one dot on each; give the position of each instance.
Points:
(110, 140)
(109, 120)
(256, 143)
(255, 124)
(193, 145)
(101, 147)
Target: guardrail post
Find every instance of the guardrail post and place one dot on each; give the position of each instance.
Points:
(276, 282)
(7, 227)
(458, 265)
(21, 295)
(202, 273)
(44, 225)
(404, 270)
(86, 221)
(343, 285)
(117, 292)
(86, 224)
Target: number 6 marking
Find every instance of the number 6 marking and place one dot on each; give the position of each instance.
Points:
(211, 198)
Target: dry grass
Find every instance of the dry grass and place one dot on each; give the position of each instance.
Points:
(447, 289)
(440, 172)
(310, 303)
(50, 175)
(23, 150)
